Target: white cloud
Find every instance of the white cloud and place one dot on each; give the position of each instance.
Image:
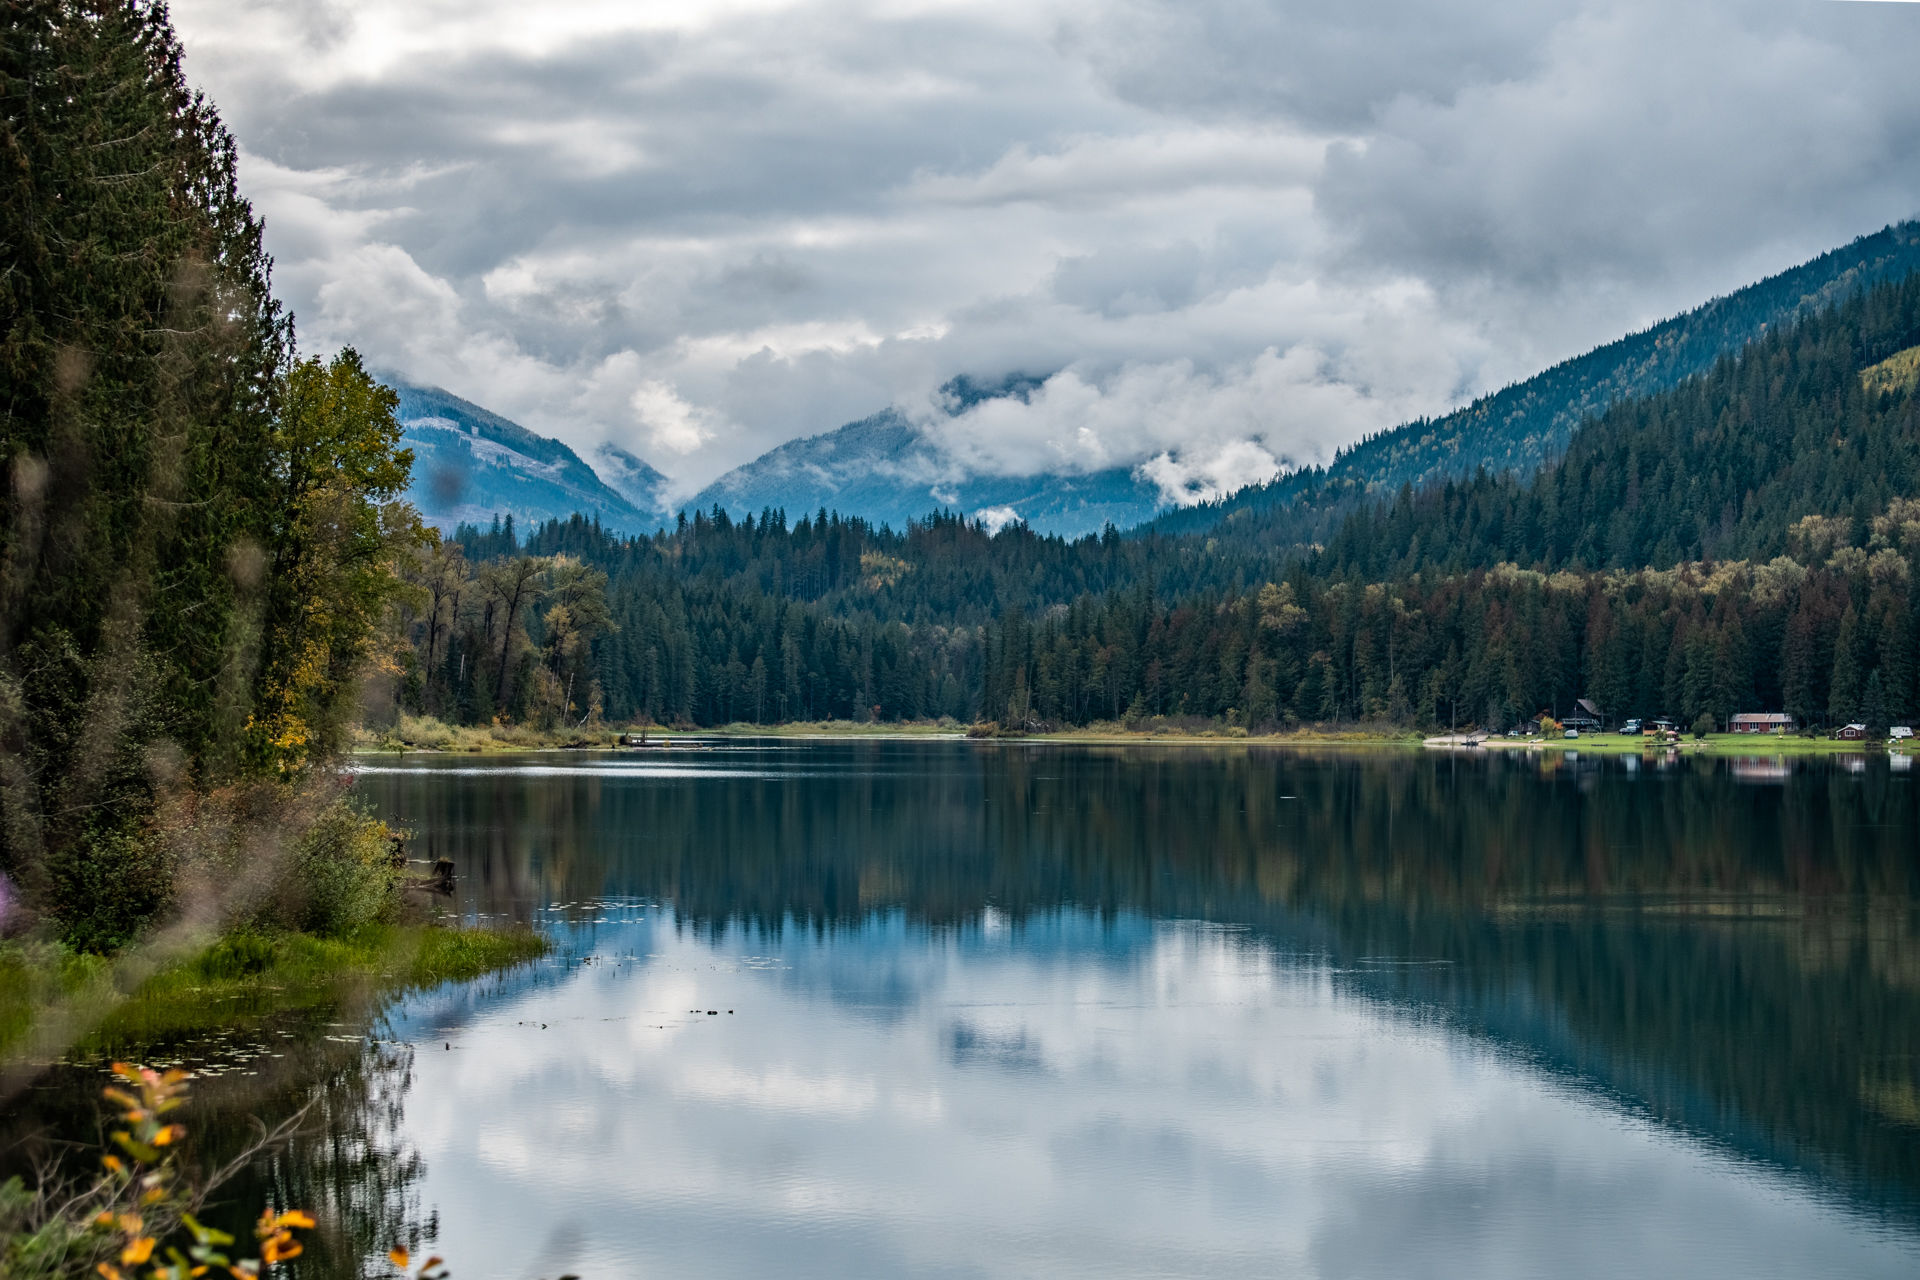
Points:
(995, 518)
(671, 423)
(1236, 232)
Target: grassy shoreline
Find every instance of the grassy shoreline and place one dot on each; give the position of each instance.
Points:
(1736, 744)
(434, 737)
(489, 740)
(233, 982)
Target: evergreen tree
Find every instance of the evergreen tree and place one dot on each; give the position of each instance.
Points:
(196, 535)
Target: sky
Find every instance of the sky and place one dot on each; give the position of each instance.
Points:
(1232, 236)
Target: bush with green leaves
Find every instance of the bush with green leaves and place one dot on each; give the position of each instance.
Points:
(339, 875)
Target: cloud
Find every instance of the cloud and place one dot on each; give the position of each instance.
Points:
(1237, 233)
(672, 424)
(1228, 428)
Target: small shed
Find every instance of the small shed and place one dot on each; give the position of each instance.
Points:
(1850, 732)
(1761, 722)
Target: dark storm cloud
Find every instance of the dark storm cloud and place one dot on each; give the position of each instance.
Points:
(1241, 231)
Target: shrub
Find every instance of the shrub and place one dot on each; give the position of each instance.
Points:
(341, 874)
(109, 884)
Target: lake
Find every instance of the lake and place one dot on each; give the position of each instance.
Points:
(935, 1008)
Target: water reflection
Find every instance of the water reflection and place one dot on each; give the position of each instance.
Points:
(955, 1008)
(1428, 1012)
(1063, 1094)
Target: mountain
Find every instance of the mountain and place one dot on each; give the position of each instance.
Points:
(631, 478)
(1744, 540)
(471, 464)
(884, 470)
(1519, 429)
(1816, 419)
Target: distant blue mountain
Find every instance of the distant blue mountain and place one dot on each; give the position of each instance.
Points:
(632, 478)
(886, 471)
(471, 464)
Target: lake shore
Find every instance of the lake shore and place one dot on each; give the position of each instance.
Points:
(54, 1002)
(1726, 744)
(434, 737)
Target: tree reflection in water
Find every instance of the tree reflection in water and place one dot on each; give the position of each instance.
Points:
(1731, 948)
(1727, 948)
(348, 1162)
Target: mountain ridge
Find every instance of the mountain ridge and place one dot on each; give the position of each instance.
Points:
(888, 471)
(471, 464)
(1522, 426)
(885, 470)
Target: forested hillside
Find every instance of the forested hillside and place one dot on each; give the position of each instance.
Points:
(1518, 429)
(1741, 541)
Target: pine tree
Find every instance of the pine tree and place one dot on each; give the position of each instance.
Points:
(1843, 699)
(1873, 702)
(141, 352)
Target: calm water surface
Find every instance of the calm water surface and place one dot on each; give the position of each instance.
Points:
(935, 1008)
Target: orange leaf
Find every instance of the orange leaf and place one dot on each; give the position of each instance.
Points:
(137, 1251)
(278, 1250)
(399, 1258)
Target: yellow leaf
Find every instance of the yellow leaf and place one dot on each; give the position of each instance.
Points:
(137, 1251)
(399, 1258)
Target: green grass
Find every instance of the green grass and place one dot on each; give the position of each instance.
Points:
(425, 733)
(822, 729)
(1733, 744)
(34, 976)
(240, 980)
